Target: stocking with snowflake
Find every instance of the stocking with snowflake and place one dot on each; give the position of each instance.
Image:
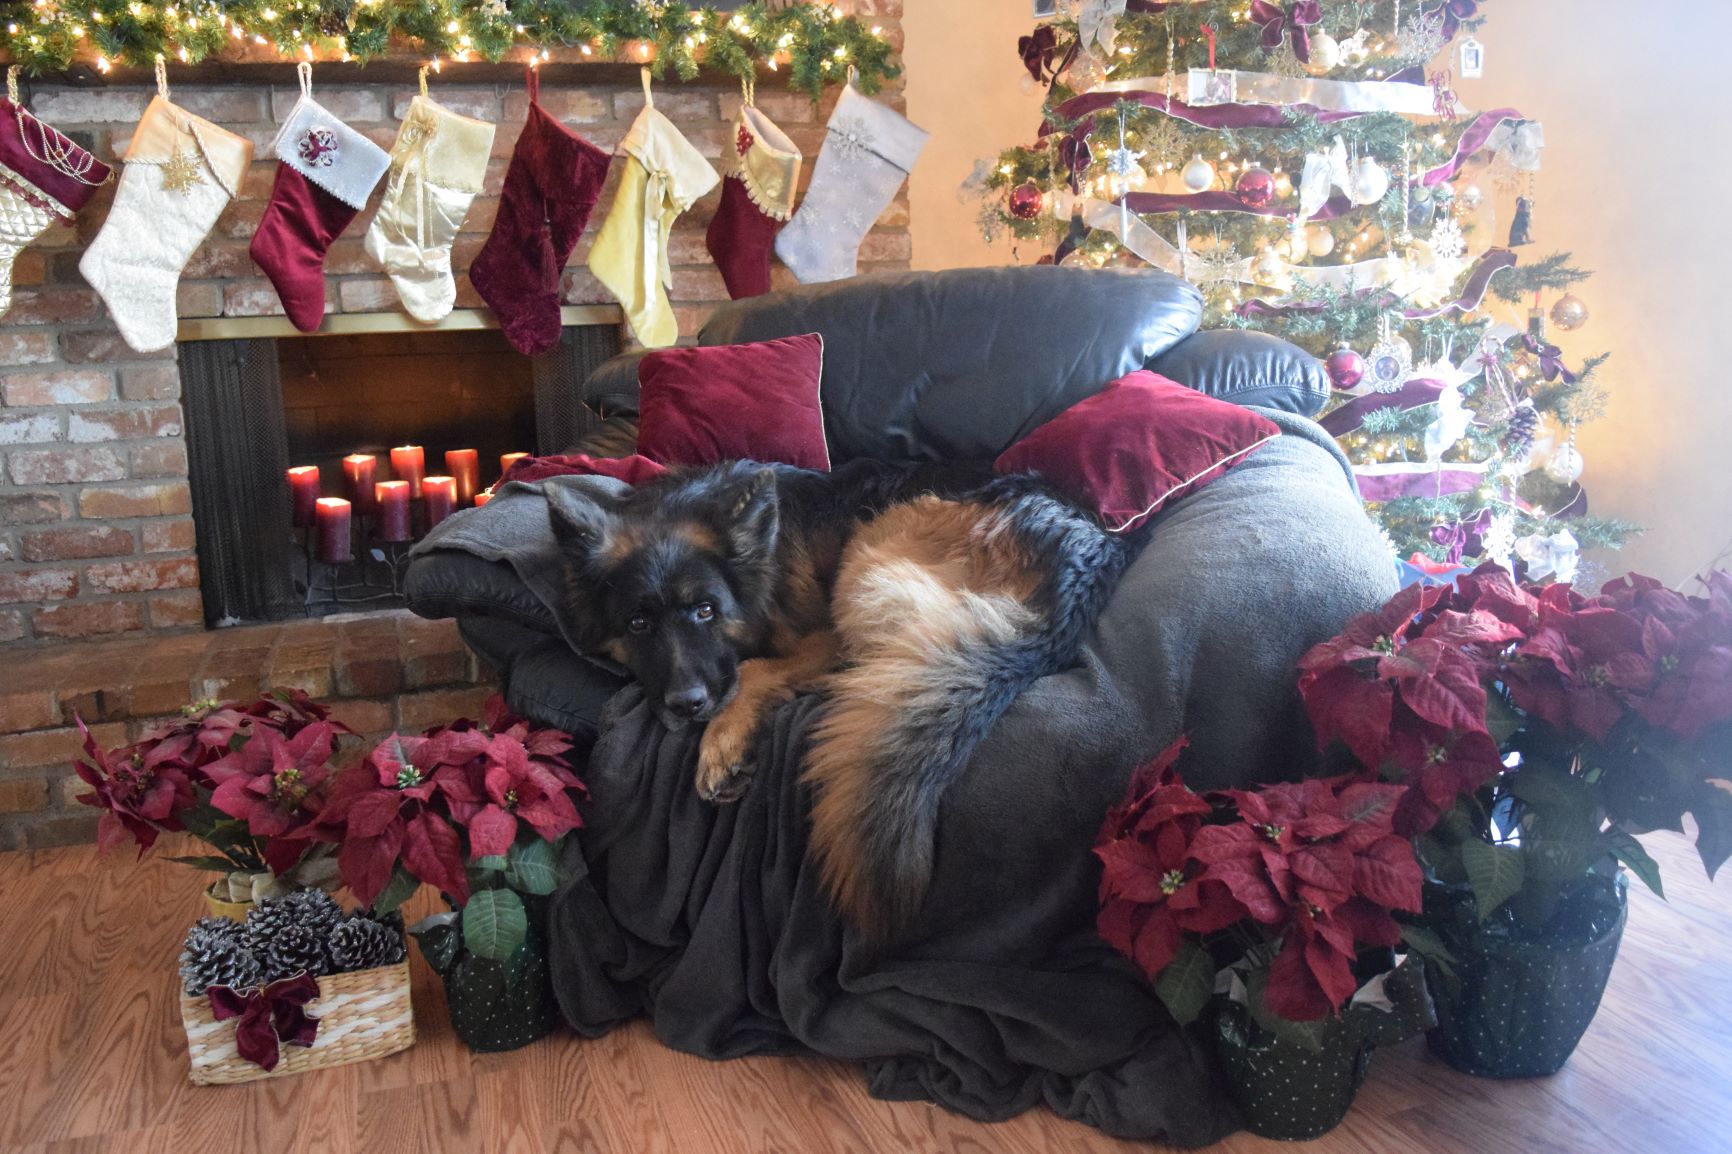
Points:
(869, 150)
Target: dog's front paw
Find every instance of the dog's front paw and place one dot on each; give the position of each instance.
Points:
(723, 774)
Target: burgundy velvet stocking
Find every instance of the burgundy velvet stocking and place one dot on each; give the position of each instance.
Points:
(740, 238)
(296, 232)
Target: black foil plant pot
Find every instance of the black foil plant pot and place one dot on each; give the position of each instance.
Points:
(1285, 1089)
(1517, 1007)
(494, 1005)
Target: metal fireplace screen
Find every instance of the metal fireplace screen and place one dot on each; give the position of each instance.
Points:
(254, 564)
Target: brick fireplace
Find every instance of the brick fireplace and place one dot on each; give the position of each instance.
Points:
(98, 545)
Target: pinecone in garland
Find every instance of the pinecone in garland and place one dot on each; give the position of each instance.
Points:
(292, 950)
(217, 952)
(1524, 422)
(360, 943)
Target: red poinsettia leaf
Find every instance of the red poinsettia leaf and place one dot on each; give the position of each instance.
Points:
(1318, 826)
(281, 853)
(1450, 695)
(1156, 942)
(491, 832)
(1118, 923)
(495, 716)
(366, 863)
(1387, 874)
(1326, 867)
(1130, 870)
(547, 743)
(1206, 906)
(1350, 706)
(1292, 990)
(369, 814)
(460, 783)
(1220, 843)
(433, 852)
(1366, 924)
(390, 758)
(1332, 968)
(552, 816)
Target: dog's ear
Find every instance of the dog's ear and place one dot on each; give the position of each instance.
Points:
(580, 525)
(751, 515)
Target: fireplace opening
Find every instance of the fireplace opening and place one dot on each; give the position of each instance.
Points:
(316, 462)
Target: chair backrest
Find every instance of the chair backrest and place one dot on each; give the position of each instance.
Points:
(960, 364)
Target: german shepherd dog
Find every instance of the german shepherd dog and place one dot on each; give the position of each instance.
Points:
(919, 599)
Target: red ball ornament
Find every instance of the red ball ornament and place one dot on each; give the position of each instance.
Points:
(1026, 201)
(1345, 367)
(1256, 188)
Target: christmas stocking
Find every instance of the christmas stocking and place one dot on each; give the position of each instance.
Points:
(868, 152)
(663, 175)
(551, 187)
(44, 178)
(437, 166)
(180, 173)
(757, 199)
(328, 171)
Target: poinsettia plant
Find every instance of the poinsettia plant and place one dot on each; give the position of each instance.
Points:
(1538, 729)
(247, 779)
(1284, 888)
(475, 809)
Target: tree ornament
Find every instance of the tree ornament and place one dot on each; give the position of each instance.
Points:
(1556, 556)
(1062, 203)
(1325, 53)
(1346, 368)
(1421, 209)
(1354, 49)
(1255, 187)
(1447, 241)
(217, 952)
(1566, 464)
(1199, 174)
(1320, 241)
(1524, 423)
(1390, 364)
(1569, 313)
(1026, 201)
(1521, 224)
(1471, 197)
(1370, 181)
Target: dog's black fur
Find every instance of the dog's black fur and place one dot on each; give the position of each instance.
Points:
(691, 575)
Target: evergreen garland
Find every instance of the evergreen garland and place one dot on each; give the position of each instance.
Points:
(814, 42)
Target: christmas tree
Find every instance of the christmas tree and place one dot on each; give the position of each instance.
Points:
(1317, 169)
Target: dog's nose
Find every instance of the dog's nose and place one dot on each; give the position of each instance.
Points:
(686, 702)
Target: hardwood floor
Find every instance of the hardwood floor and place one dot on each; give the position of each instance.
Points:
(92, 1060)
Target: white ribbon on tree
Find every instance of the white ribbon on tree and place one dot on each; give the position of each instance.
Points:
(1323, 172)
(1557, 556)
(1097, 23)
(1327, 95)
(1518, 143)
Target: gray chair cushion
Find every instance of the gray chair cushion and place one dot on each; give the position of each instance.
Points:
(959, 365)
(1248, 369)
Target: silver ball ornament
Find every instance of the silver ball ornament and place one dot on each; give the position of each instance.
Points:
(1199, 174)
(1566, 465)
(1370, 181)
(1569, 313)
(1325, 52)
(1470, 197)
(1320, 242)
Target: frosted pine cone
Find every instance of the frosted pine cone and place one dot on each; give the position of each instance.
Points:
(360, 943)
(217, 952)
(294, 950)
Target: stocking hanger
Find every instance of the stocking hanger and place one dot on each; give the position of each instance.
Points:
(422, 78)
(161, 76)
(748, 90)
(643, 74)
(12, 83)
(304, 73)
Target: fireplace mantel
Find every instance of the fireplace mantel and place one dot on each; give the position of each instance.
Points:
(349, 324)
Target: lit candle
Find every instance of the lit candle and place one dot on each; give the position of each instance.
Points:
(441, 494)
(332, 515)
(304, 491)
(483, 497)
(409, 463)
(360, 474)
(393, 501)
(509, 460)
(465, 465)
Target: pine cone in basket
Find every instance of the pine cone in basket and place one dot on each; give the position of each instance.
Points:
(314, 910)
(218, 952)
(360, 943)
(293, 950)
(266, 920)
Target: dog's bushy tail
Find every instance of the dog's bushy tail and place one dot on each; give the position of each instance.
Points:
(942, 635)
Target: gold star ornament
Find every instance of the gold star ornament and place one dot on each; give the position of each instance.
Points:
(182, 172)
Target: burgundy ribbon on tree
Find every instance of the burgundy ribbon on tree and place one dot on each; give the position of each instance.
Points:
(1461, 538)
(1471, 142)
(1472, 294)
(1219, 201)
(1551, 359)
(270, 1016)
(1291, 21)
(1345, 418)
(1037, 51)
(1443, 102)
(1420, 479)
(1454, 12)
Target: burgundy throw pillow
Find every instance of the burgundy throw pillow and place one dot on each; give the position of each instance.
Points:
(1135, 445)
(633, 470)
(756, 402)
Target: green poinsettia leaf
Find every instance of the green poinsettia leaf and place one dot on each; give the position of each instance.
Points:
(1495, 872)
(398, 890)
(1426, 942)
(1555, 862)
(533, 868)
(494, 924)
(1629, 851)
(495, 861)
(1187, 984)
(206, 862)
(1713, 813)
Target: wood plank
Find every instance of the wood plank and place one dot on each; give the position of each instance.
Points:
(95, 1061)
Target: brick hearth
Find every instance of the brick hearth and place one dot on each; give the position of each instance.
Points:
(379, 672)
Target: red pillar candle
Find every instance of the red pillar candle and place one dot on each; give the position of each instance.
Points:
(409, 463)
(360, 474)
(441, 494)
(393, 501)
(332, 535)
(465, 465)
(483, 497)
(509, 460)
(304, 491)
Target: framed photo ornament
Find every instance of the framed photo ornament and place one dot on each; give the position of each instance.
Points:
(1472, 59)
(1212, 86)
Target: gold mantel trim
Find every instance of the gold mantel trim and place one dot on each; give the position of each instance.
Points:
(342, 324)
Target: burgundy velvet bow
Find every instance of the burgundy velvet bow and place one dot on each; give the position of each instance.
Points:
(1551, 359)
(1074, 154)
(1460, 538)
(1454, 12)
(1291, 21)
(1038, 50)
(1443, 94)
(269, 1016)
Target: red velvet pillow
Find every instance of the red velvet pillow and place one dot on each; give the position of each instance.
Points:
(756, 402)
(1136, 444)
(633, 470)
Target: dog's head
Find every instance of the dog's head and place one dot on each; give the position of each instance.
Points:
(674, 582)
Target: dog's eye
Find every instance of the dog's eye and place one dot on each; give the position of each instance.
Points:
(638, 624)
(705, 611)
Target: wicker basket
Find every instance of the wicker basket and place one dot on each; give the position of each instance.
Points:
(364, 1014)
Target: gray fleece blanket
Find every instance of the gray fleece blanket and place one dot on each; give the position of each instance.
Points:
(709, 920)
